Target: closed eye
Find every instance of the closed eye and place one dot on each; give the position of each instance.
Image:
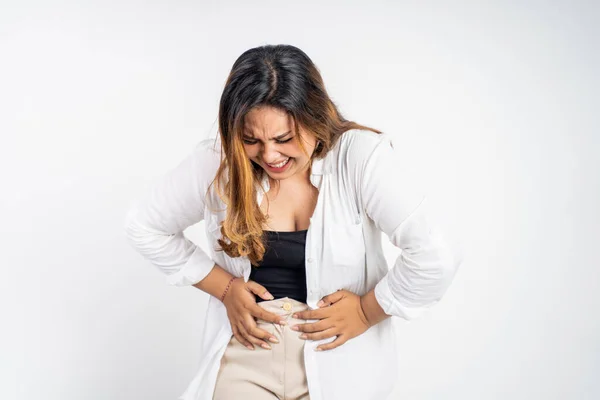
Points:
(251, 141)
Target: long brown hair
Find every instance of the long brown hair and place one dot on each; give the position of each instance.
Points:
(280, 76)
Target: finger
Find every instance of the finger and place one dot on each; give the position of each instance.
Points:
(248, 337)
(331, 298)
(313, 326)
(259, 290)
(327, 333)
(318, 313)
(249, 327)
(337, 342)
(263, 334)
(241, 338)
(260, 313)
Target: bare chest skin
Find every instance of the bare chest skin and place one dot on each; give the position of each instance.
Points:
(289, 205)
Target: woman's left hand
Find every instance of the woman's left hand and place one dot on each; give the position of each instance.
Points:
(340, 314)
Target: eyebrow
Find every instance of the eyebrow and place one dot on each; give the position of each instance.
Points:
(279, 137)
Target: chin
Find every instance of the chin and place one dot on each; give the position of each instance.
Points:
(279, 177)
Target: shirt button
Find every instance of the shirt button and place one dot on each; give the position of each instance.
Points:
(310, 260)
(287, 306)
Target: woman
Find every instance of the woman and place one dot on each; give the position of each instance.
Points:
(294, 198)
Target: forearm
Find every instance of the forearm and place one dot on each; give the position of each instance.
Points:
(371, 308)
(215, 282)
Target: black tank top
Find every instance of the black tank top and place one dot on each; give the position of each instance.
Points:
(282, 271)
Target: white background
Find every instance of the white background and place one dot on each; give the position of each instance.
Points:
(495, 105)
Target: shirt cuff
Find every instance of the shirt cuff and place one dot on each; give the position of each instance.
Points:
(197, 267)
(393, 307)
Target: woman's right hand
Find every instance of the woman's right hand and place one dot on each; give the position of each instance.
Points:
(242, 308)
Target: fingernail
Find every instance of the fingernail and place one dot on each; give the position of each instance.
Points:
(321, 303)
(318, 349)
(265, 346)
(282, 322)
(273, 339)
(295, 316)
(303, 336)
(295, 327)
(269, 296)
(250, 347)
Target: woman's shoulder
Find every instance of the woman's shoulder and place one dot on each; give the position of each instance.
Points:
(200, 165)
(358, 145)
(207, 154)
(210, 147)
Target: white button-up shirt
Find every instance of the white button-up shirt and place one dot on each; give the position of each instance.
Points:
(361, 194)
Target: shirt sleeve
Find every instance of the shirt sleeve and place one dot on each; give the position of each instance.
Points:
(154, 224)
(427, 264)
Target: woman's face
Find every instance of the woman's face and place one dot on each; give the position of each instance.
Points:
(269, 142)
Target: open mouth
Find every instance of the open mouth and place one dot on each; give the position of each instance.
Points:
(280, 166)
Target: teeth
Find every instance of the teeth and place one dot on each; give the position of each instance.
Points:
(281, 164)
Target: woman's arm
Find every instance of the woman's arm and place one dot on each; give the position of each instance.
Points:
(424, 270)
(154, 225)
(371, 308)
(215, 282)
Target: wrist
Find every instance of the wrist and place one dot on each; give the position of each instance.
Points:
(222, 298)
(364, 316)
(371, 308)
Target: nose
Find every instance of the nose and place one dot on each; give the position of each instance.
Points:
(269, 153)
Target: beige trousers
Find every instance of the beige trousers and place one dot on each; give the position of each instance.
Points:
(262, 374)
